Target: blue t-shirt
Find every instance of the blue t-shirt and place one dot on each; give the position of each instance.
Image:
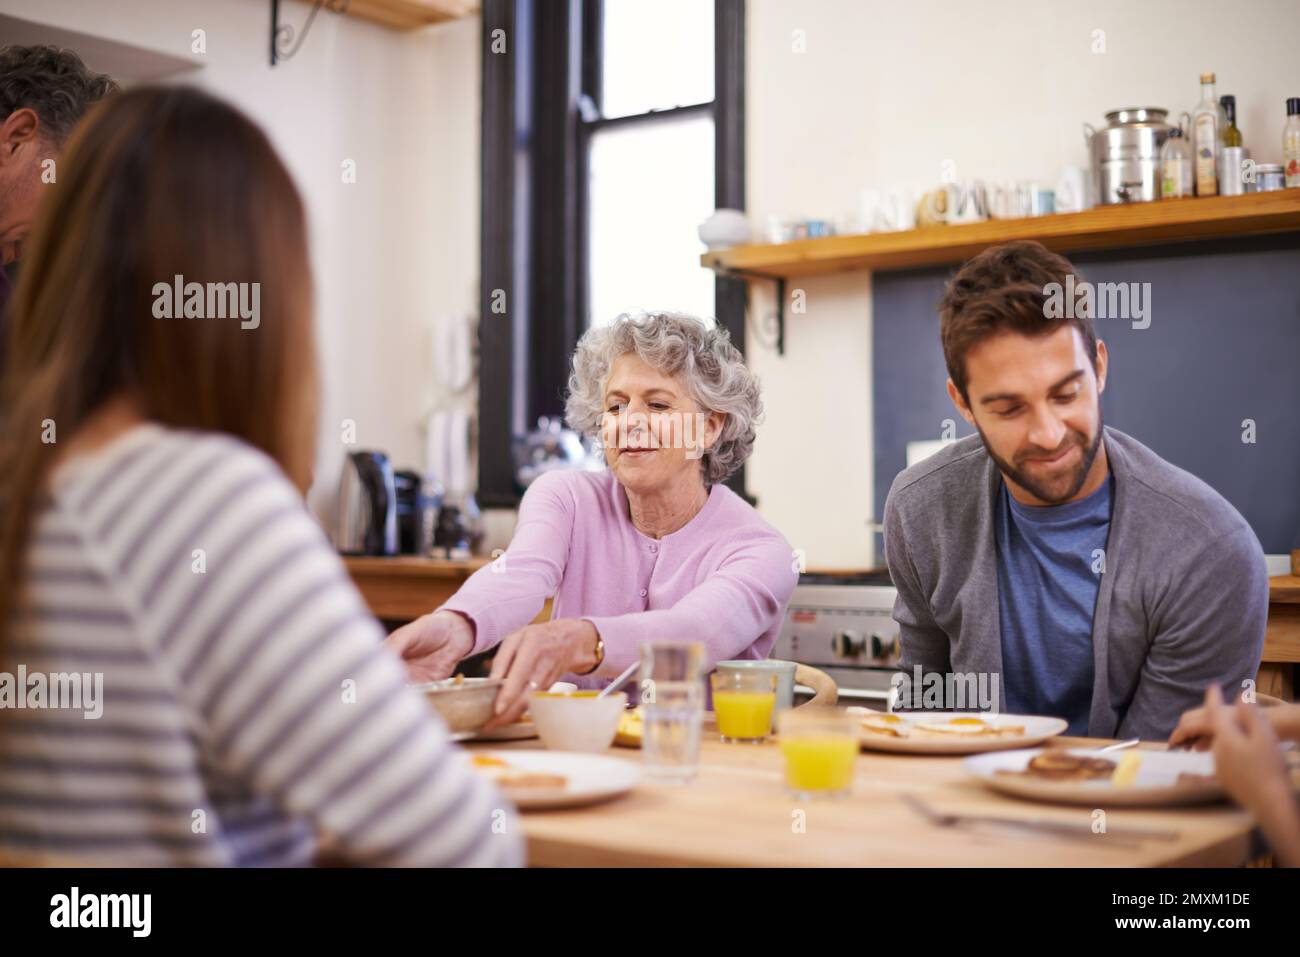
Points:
(1050, 560)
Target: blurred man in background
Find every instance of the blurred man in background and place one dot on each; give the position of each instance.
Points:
(44, 92)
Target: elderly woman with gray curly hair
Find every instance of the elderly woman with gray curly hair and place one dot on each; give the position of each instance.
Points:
(653, 547)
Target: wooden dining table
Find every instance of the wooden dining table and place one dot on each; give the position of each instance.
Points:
(737, 813)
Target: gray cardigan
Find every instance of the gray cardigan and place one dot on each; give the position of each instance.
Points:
(1182, 603)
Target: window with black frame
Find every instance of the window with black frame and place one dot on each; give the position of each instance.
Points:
(611, 130)
(646, 152)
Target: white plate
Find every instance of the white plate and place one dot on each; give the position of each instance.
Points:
(1037, 730)
(1156, 784)
(590, 777)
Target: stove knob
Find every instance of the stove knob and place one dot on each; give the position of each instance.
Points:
(883, 646)
(848, 644)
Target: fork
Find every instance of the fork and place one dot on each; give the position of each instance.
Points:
(1117, 837)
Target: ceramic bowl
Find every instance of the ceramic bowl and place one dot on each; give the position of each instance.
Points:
(578, 720)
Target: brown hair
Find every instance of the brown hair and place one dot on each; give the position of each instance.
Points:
(1004, 289)
(157, 183)
(53, 83)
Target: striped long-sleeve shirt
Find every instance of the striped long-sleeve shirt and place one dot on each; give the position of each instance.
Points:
(248, 705)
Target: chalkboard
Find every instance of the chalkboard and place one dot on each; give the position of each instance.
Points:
(1223, 346)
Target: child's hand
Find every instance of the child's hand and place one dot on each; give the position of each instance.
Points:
(1195, 729)
(1247, 761)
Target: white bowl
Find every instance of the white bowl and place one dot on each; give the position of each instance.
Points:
(726, 227)
(576, 721)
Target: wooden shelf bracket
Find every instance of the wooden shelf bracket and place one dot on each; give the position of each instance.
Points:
(728, 272)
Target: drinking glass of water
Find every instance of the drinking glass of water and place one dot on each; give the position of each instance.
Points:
(672, 700)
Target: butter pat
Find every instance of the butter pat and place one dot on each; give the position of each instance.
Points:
(1127, 770)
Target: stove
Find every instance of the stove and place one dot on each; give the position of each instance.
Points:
(844, 626)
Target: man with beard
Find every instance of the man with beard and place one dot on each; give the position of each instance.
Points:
(1099, 582)
(43, 93)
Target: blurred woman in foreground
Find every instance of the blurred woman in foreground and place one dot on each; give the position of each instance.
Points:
(155, 546)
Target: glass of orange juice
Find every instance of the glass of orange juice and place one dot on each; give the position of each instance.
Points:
(743, 702)
(820, 747)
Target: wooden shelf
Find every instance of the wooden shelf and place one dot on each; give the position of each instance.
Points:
(410, 14)
(1106, 227)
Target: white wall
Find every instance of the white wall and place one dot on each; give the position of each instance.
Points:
(882, 95)
(390, 251)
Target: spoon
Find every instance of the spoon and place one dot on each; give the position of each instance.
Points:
(1119, 745)
(620, 680)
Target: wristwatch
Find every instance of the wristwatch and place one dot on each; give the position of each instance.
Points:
(600, 655)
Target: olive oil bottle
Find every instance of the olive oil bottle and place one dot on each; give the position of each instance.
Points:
(1232, 152)
(1208, 122)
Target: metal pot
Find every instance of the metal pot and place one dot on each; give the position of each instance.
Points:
(1126, 155)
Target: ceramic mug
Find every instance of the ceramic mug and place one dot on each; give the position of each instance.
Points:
(1072, 190)
(953, 203)
(886, 212)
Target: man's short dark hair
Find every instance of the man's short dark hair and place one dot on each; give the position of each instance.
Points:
(52, 82)
(1004, 289)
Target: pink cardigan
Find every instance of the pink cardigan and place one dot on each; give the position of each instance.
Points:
(724, 578)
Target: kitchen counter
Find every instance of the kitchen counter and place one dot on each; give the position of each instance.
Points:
(405, 587)
(1284, 589)
(1282, 634)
